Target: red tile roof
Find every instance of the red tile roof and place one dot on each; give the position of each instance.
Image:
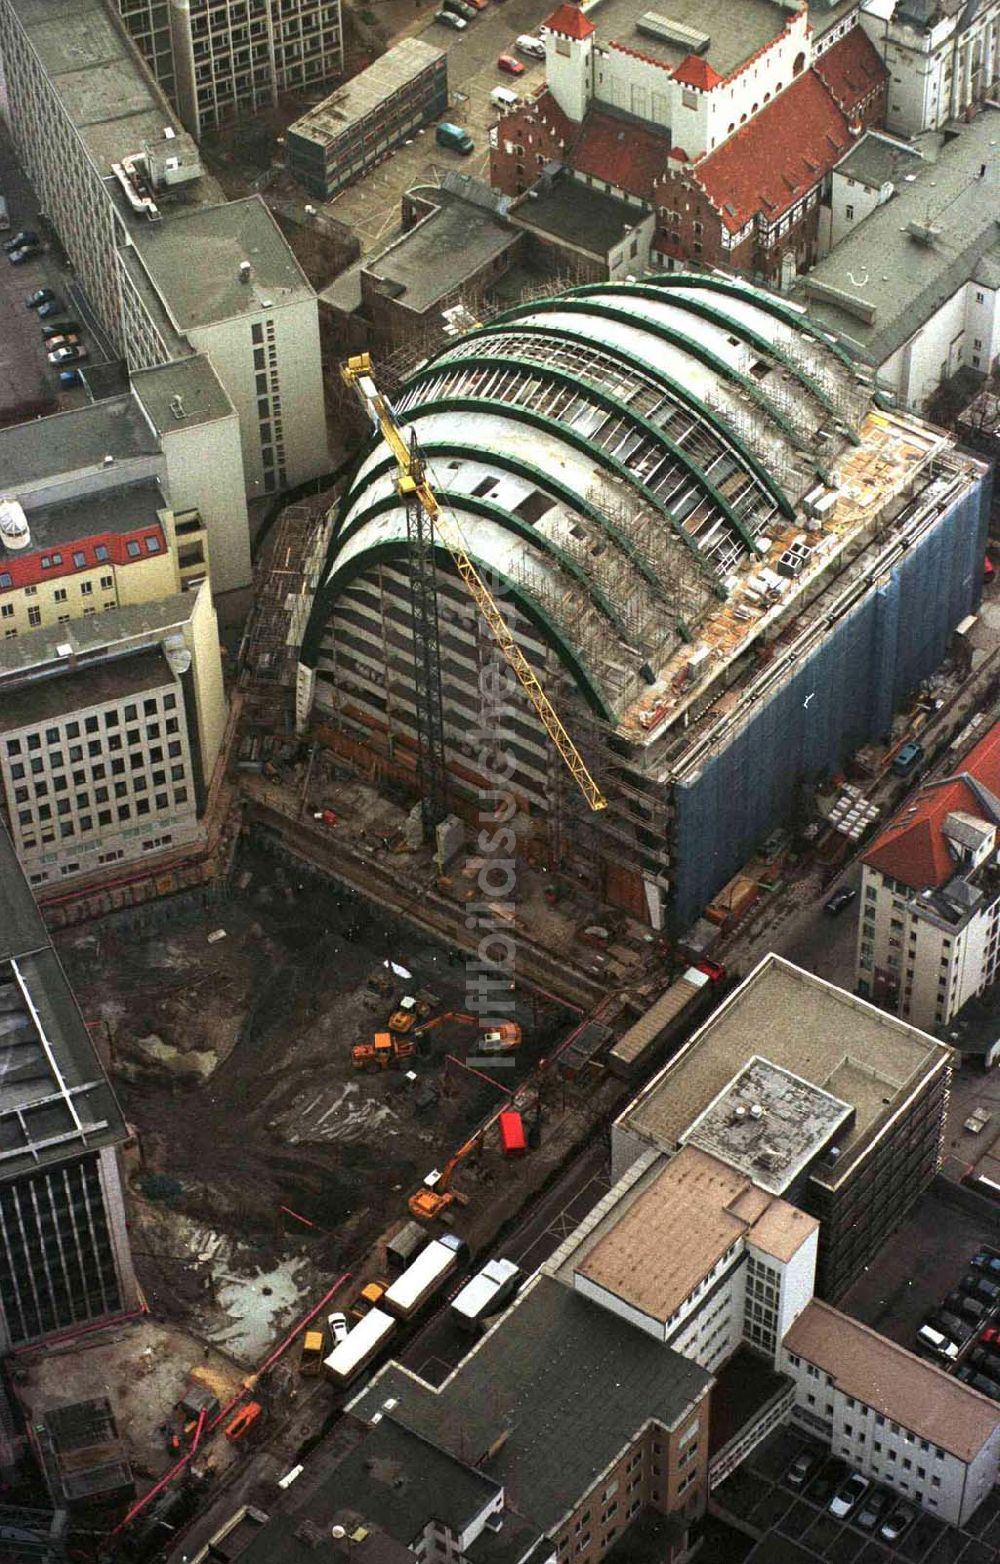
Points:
(627, 156)
(771, 162)
(912, 848)
(571, 22)
(851, 69)
(695, 72)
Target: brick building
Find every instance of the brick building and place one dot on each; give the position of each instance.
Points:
(727, 153)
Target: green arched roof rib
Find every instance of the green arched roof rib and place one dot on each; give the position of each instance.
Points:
(666, 383)
(614, 407)
(664, 333)
(453, 500)
(736, 328)
(763, 301)
(508, 461)
(532, 610)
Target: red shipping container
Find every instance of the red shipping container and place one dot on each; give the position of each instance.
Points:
(512, 1133)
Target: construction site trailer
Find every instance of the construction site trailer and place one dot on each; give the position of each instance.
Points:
(421, 1279)
(486, 1294)
(512, 1138)
(662, 1024)
(404, 1246)
(359, 1347)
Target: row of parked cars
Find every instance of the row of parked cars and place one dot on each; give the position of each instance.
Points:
(62, 338)
(852, 1496)
(961, 1328)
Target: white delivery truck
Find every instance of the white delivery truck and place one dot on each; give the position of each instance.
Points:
(424, 1276)
(359, 1347)
(486, 1294)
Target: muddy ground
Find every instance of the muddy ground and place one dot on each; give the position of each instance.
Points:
(232, 1061)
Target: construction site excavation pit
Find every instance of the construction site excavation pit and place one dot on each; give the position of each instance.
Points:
(266, 1161)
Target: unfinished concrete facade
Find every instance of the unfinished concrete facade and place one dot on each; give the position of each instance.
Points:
(704, 535)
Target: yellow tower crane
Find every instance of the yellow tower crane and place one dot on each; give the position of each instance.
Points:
(413, 487)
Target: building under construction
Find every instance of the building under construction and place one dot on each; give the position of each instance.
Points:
(726, 564)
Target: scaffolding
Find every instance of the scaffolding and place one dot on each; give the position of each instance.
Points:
(285, 579)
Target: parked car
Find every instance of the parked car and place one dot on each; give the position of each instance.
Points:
(802, 1468)
(39, 297)
(68, 378)
(966, 1307)
(20, 239)
(59, 328)
(338, 1327)
(990, 1337)
(528, 44)
(836, 903)
(847, 1495)
(936, 1342)
(980, 1287)
(987, 1385)
(985, 1359)
(513, 66)
(908, 758)
(986, 1260)
(53, 307)
(26, 253)
(61, 342)
(449, 19)
(454, 137)
(872, 1510)
(989, 570)
(460, 8)
(899, 1519)
(71, 354)
(950, 1325)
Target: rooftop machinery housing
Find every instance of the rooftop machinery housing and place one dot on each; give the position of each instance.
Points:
(729, 565)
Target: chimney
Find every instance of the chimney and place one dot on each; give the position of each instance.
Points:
(244, 272)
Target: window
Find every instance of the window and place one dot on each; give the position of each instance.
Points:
(86, 588)
(849, 213)
(34, 615)
(106, 582)
(59, 595)
(79, 559)
(132, 548)
(101, 552)
(6, 611)
(152, 545)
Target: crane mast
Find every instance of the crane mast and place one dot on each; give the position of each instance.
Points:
(418, 496)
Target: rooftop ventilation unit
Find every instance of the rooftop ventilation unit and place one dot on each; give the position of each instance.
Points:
(244, 271)
(924, 233)
(14, 530)
(177, 407)
(652, 25)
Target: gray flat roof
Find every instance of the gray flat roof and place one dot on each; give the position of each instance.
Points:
(92, 685)
(569, 1382)
(55, 1100)
(881, 284)
(441, 252)
(360, 96)
(194, 381)
(119, 509)
(736, 30)
(209, 289)
(876, 159)
(572, 211)
(107, 93)
(795, 1121)
(32, 452)
(809, 1027)
(90, 637)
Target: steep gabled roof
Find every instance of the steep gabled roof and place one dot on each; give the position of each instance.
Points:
(850, 69)
(782, 153)
(696, 72)
(913, 848)
(623, 154)
(571, 22)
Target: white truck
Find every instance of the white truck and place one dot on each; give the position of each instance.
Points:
(359, 1347)
(486, 1294)
(422, 1278)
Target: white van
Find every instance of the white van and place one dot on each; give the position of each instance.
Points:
(528, 44)
(935, 1342)
(503, 98)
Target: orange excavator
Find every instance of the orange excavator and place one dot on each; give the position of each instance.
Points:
(460, 1017)
(383, 1051)
(435, 1197)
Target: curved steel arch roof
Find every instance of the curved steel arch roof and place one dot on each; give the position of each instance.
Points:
(697, 407)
